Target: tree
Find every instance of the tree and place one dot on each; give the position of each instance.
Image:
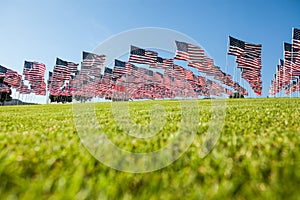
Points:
(5, 95)
(236, 95)
(63, 99)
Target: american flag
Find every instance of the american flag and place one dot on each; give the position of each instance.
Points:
(248, 62)
(248, 59)
(254, 79)
(142, 56)
(167, 80)
(61, 66)
(23, 89)
(169, 72)
(93, 71)
(61, 77)
(91, 59)
(281, 78)
(108, 73)
(290, 53)
(122, 67)
(162, 63)
(236, 47)
(72, 67)
(189, 75)
(188, 52)
(2, 71)
(196, 54)
(34, 72)
(148, 76)
(209, 63)
(179, 71)
(12, 78)
(34, 69)
(240, 48)
(291, 59)
(134, 72)
(253, 50)
(296, 38)
(61, 62)
(181, 51)
(40, 67)
(65, 66)
(158, 77)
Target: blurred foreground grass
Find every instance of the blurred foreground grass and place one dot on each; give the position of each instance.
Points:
(257, 155)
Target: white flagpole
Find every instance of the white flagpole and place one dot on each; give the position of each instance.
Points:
(292, 55)
(226, 64)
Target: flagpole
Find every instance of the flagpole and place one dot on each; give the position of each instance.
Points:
(18, 98)
(284, 74)
(280, 88)
(241, 76)
(243, 80)
(292, 54)
(277, 85)
(298, 87)
(226, 64)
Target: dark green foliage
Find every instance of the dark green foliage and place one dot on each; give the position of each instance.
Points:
(5, 96)
(236, 95)
(63, 99)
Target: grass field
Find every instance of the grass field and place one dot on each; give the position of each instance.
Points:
(256, 156)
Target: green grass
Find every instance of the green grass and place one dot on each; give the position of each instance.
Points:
(257, 155)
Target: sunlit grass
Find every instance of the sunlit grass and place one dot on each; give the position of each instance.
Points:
(257, 155)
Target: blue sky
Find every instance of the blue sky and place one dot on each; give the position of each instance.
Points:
(43, 30)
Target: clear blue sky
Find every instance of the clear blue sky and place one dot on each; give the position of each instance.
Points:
(43, 30)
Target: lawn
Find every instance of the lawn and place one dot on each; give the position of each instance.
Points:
(257, 154)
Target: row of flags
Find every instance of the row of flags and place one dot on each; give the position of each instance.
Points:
(10, 77)
(33, 73)
(196, 58)
(248, 59)
(287, 73)
(126, 80)
(163, 77)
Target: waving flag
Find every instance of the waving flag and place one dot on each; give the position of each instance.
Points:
(12, 78)
(33, 69)
(91, 59)
(162, 63)
(72, 67)
(291, 59)
(122, 67)
(296, 38)
(248, 62)
(2, 71)
(108, 72)
(196, 54)
(179, 71)
(61, 77)
(91, 65)
(61, 66)
(236, 47)
(142, 56)
(290, 53)
(188, 52)
(248, 58)
(253, 50)
(181, 51)
(34, 72)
